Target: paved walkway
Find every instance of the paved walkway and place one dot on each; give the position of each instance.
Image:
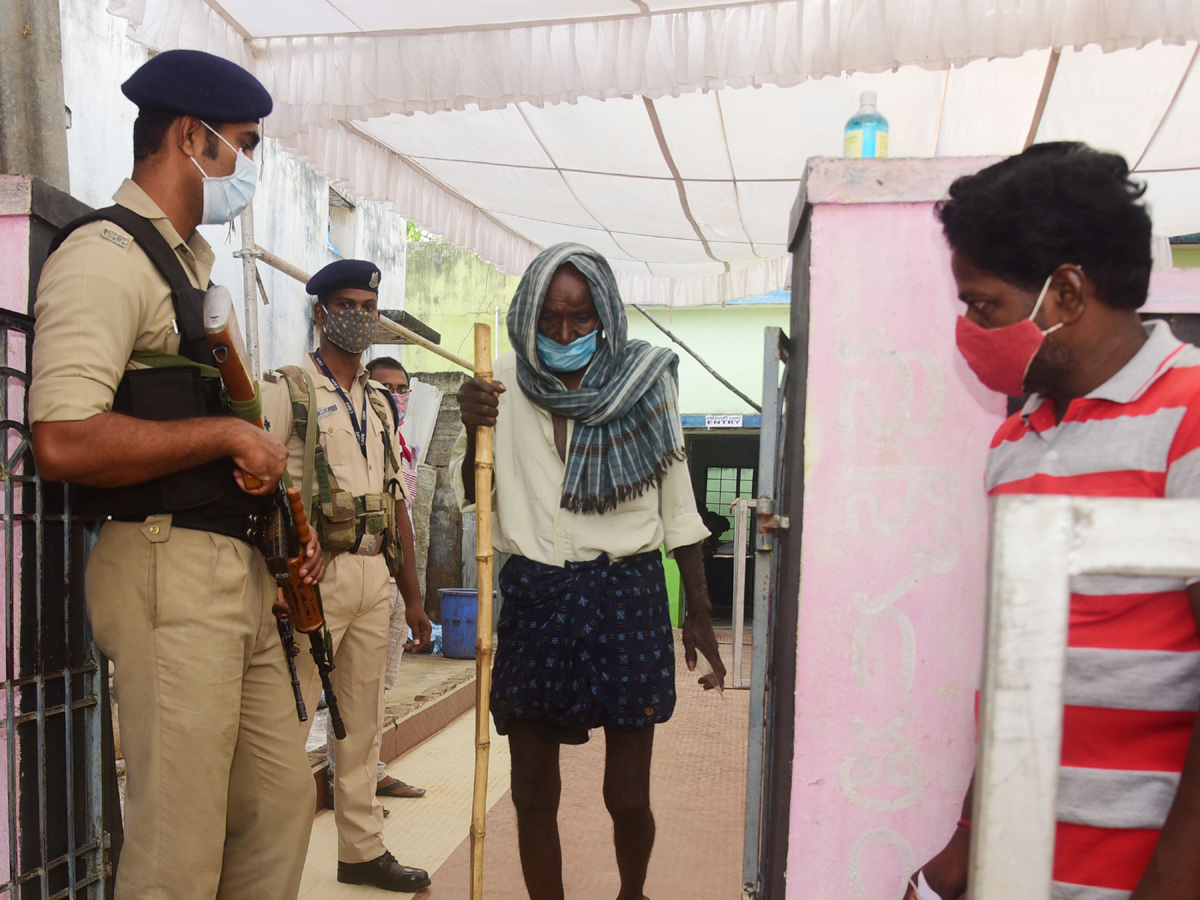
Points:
(698, 793)
(423, 680)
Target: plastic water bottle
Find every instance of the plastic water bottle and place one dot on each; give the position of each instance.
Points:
(867, 131)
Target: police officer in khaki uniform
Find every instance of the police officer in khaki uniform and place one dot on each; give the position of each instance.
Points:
(357, 438)
(219, 794)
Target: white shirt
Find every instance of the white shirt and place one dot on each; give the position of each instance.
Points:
(527, 518)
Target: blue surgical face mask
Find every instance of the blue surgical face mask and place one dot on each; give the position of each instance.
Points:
(566, 357)
(226, 197)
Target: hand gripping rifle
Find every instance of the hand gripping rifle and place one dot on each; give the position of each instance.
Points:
(287, 532)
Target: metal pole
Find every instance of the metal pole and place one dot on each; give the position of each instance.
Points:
(413, 338)
(696, 356)
(385, 324)
(278, 263)
(250, 291)
(758, 761)
(741, 542)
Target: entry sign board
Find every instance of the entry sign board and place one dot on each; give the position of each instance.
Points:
(723, 421)
(894, 556)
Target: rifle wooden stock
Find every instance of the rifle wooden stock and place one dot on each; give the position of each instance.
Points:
(233, 369)
(237, 381)
(303, 600)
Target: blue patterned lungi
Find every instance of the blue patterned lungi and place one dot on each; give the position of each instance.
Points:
(584, 646)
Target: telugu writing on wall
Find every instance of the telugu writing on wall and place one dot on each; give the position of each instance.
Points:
(894, 555)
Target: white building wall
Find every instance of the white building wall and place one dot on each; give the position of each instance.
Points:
(291, 205)
(97, 58)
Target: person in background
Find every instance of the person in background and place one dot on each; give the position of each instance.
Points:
(1050, 251)
(393, 376)
(218, 800)
(717, 525)
(357, 502)
(591, 480)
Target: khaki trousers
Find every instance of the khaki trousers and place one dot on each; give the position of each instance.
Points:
(357, 605)
(219, 794)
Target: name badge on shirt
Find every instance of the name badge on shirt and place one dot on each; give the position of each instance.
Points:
(327, 411)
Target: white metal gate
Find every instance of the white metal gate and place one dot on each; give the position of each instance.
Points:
(1038, 544)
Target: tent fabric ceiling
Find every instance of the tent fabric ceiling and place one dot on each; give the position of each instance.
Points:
(686, 126)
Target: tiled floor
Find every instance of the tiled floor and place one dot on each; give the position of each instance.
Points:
(698, 794)
(420, 832)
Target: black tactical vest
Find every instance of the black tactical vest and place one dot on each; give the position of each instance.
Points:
(205, 497)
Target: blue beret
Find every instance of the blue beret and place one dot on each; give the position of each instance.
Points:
(193, 83)
(345, 273)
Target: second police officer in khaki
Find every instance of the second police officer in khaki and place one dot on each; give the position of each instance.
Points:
(356, 495)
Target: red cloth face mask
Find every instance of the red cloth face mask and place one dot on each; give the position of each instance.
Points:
(1000, 357)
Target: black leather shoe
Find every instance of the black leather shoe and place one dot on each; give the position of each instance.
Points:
(385, 873)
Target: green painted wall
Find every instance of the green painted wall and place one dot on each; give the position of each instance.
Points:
(449, 290)
(1186, 256)
(729, 338)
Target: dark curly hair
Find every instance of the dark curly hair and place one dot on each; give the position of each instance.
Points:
(1055, 203)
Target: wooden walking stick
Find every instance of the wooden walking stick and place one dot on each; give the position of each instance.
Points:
(483, 619)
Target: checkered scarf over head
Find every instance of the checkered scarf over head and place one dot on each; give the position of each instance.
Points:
(626, 409)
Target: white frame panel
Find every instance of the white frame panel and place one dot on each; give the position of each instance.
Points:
(1038, 544)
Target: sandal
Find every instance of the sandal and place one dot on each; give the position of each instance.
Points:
(394, 787)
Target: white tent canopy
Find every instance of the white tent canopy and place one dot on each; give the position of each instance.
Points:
(671, 135)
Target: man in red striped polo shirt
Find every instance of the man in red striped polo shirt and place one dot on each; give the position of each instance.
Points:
(1051, 255)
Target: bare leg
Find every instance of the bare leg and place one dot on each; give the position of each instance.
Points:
(536, 788)
(627, 796)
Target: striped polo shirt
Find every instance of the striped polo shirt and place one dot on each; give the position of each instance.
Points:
(1133, 654)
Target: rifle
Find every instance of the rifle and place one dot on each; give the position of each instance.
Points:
(290, 652)
(287, 532)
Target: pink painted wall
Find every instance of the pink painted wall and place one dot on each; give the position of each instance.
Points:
(1174, 291)
(895, 534)
(14, 295)
(894, 557)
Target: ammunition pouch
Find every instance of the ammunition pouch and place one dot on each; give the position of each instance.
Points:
(342, 520)
(346, 520)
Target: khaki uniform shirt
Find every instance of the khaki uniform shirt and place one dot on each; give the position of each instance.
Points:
(528, 488)
(99, 299)
(355, 473)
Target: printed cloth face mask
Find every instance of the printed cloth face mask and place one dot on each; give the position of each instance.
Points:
(1000, 357)
(226, 197)
(401, 401)
(351, 329)
(566, 357)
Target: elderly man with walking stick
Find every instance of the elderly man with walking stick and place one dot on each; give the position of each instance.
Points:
(591, 480)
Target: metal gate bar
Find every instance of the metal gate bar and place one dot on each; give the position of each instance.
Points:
(741, 508)
(39, 864)
(770, 446)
